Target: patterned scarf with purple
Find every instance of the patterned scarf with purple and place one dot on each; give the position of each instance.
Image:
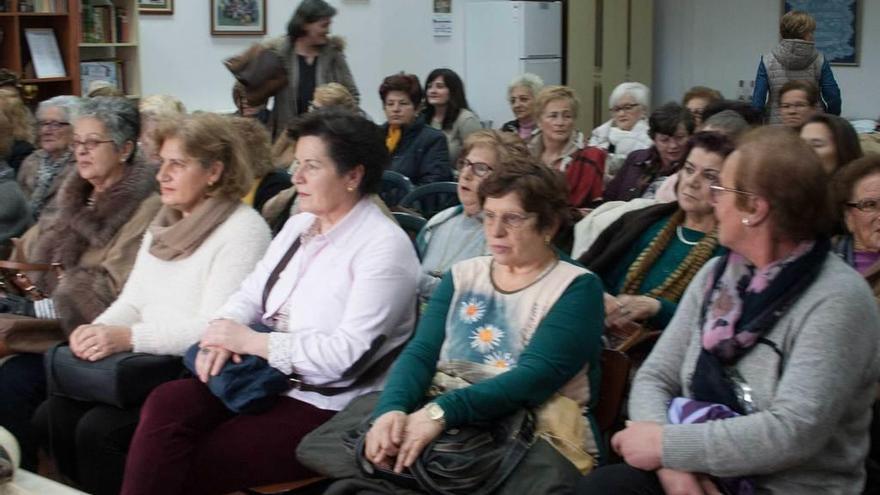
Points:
(742, 304)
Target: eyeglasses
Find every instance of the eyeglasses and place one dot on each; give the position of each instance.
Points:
(88, 144)
(509, 220)
(480, 169)
(624, 108)
(52, 125)
(871, 205)
(797, 106)
(715, 190)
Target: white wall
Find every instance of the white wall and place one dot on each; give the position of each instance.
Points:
(718, 42)
(180, 57)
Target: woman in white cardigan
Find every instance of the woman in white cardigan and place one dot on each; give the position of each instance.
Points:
(197, 251)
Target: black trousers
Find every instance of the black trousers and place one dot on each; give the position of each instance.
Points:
(89, 441)
(22, 389)
(619, 479)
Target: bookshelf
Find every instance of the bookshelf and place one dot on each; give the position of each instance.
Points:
(109, 37)
(119, 45)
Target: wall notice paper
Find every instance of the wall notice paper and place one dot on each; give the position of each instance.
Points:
(441, 21)
(45, 53)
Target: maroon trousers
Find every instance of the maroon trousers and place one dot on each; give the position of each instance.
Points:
(189, 442)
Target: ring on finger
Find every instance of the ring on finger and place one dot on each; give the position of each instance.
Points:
(204, 350)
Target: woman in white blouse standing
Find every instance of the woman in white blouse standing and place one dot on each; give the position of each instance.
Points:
(196, 252)
(344, 301)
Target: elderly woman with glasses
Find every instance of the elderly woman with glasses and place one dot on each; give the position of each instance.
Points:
(101, 214)
(514, 327)
(648, 256)
(764, 379)
(456, 233)
(42, 173)
(627, 130)
(521, 93)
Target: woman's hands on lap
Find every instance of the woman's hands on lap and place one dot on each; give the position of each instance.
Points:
(626, 308)
(94, 341)
(684, 483)
(385, 437)
(640, 444)
(420, 430)
(210, 360)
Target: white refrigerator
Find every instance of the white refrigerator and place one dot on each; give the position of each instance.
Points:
(504, 39)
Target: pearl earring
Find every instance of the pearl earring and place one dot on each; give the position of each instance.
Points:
(745, 221)
(547, 239)
(349, 189)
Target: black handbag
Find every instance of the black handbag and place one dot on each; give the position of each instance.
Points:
(124, 379)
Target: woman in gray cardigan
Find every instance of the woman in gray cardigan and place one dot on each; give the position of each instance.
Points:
(764, 379)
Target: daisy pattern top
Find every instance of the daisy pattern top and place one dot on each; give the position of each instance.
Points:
(515, 348)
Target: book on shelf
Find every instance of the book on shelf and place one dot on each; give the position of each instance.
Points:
(109, 70)
(104, 22)
(43, 6)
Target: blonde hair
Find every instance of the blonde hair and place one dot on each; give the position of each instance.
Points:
(282, 151)
(5, 135)
(258, 142)
(796, 25)
(334, 94)
(22, 123)
(506, 145)
(209, 138)
(552, 93)
(159, 105)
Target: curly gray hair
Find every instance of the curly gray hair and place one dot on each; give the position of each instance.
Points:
(69, 105)
(529, 81)
(119, 116)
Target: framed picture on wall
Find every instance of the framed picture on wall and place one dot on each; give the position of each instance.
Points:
(238, 17)
(837, 27)
(165, 7)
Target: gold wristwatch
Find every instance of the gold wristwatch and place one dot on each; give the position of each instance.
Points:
(436, 413)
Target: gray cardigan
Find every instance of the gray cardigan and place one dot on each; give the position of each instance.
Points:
(810, 434)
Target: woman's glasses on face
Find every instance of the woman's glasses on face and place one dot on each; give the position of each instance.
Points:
(510, 220)
(716, 190)
(88, 144)
(870, 205)
(480, 169)
(624, 108)
(52, 125)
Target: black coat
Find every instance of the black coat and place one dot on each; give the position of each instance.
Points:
(422, 154)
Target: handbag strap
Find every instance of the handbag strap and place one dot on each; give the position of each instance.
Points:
(373, 372)
(276, 273)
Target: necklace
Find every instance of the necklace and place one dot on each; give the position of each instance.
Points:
(680, 233)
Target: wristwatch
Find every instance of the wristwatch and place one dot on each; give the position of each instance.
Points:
(436, 413)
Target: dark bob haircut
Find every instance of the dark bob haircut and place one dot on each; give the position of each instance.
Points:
(667, 118)
(457, 99)
(405, 83)
(309, 11)
(351, 140)
(541, 190)
(711, 142)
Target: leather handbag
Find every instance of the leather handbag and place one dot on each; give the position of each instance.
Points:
(261, 71)
(15, 281)
(124, 379)
(627, 337)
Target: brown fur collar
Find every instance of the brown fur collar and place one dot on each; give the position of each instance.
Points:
(76, 229)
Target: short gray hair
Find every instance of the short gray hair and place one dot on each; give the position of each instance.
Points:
(728, 122)
(638, 91)
(528, 80)
(69, 105)
(119, 116)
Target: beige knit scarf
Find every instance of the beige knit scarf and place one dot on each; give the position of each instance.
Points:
(176, 237)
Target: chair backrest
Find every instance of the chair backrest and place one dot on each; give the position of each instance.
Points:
(395, 186)
(612, 389)
(411, 224)
(432, 198)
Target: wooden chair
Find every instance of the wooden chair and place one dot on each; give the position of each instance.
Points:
(292, 487)
(612, 392)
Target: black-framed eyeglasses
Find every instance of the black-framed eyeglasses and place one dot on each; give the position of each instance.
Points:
(510, 220)
(624, 108)
(715, 190)
(52, 125)
(88, 144)
(480, 169)
(869, 205)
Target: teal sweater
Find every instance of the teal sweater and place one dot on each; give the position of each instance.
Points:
(562, 344)
(668, 261)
